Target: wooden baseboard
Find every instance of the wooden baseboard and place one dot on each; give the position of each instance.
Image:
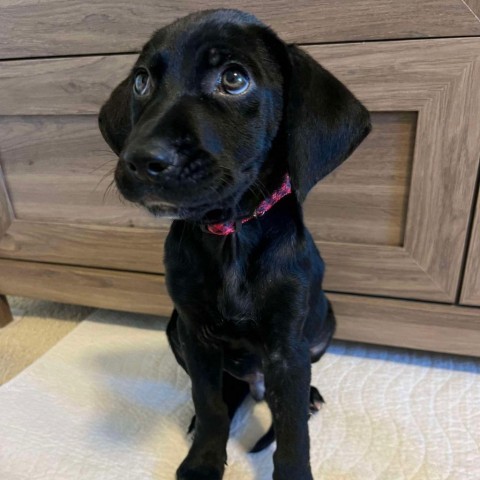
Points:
(400, 323)
(410, 324)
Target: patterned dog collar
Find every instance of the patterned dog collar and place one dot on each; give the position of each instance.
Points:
(229, 227)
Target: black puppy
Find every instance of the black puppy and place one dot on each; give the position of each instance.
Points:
(218, 121)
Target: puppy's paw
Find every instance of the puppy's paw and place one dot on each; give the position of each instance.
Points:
(202, 463)
(316, 400)
(292, 474)
(199, 473)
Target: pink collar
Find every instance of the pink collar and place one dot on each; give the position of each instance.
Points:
(229, 227)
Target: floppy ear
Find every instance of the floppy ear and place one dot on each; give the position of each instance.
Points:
(115, 118)
(324, 121)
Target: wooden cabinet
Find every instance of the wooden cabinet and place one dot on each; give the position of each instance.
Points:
(392, 222)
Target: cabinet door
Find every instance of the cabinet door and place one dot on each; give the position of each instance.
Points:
(392, 221)
(471, 283)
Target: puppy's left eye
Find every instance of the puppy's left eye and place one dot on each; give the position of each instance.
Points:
(234, 81)
(141, 83)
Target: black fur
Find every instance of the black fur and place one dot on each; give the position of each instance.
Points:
(249, 306)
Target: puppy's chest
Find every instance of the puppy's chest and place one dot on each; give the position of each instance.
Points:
(230, 305)
(235, 299)
(218, 290)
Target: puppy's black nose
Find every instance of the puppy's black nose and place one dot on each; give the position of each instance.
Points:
(146, 163)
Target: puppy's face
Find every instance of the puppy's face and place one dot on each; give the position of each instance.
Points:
(205, 102)
(195, 121)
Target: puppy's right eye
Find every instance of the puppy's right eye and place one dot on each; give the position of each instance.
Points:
(234, 81)
(142, 83)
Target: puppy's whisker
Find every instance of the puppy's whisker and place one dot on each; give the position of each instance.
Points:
(102, 150)
(119, 195)
(102, 165)
(108, 190)
(105, 194)
(110, 172)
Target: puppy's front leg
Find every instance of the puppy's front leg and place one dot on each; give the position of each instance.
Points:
(287, 380)
(207, 456)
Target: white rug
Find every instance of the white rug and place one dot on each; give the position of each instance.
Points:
(108, 402)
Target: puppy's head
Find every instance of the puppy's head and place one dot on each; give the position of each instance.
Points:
(217, 106)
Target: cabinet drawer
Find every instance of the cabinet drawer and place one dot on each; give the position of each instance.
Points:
(391, 221)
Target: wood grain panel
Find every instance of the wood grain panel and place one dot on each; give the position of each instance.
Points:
(426, 326)
(365, 200)
(60, 86)
(471, 284)
(60, 27)
(474, 6)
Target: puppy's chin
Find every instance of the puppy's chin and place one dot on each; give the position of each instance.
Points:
(208, 213)
(162, 209)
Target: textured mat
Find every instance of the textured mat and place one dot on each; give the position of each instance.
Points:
(108, 402)
(37, 326)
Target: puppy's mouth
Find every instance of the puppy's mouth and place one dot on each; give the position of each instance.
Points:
(212, 199)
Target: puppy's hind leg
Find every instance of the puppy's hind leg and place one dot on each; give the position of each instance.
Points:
(316, 400)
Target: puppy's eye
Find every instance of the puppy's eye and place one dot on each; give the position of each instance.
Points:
(141, 83)
(234, 81)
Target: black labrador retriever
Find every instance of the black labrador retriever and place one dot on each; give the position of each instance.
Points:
(225, 127)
